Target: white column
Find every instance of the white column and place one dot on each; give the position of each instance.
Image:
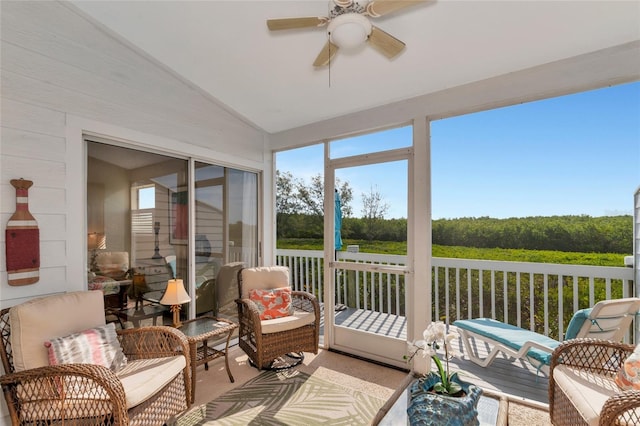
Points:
(636, 255)
(419, 238)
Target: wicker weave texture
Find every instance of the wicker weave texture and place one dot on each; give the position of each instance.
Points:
(264, 348)
(602, 359)
(171, 400)
(86, 394)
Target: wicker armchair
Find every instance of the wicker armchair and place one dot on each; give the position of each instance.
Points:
(264, 341)
(90, 394)
(581, 384)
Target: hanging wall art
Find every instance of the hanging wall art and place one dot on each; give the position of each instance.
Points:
(22, 238)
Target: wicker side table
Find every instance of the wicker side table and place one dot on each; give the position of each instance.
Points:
(198, 332)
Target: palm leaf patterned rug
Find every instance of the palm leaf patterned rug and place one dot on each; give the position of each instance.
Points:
(286, 398)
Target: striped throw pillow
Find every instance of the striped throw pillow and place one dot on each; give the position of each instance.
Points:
(97, 345)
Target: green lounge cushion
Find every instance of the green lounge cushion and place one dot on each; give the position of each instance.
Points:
(510, 336)
(576, 323)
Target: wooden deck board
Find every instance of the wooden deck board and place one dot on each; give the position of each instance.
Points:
(373, 322)
(516, 378)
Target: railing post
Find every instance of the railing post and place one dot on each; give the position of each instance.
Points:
(352, 300)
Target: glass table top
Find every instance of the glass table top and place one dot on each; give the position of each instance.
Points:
(205, 325)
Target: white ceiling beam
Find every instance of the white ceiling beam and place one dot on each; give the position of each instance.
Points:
(602, 68)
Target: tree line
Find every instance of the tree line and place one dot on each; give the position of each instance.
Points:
(300, 209)
(586, 234)
(607, 234)
(300, 206)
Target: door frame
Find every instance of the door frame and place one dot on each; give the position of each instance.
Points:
(367, 345)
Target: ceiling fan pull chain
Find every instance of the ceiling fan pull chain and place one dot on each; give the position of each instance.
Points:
(329, 68)
(329, 41)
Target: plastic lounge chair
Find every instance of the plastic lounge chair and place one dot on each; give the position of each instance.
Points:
(607, 320)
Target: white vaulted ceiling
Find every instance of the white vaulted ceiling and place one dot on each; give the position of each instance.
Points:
(225, 49)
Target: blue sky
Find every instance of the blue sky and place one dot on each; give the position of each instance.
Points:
(571, 155)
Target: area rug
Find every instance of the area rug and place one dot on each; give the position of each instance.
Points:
(525, 415)
(285, 398)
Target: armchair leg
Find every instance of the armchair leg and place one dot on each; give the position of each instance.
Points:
(284, 362)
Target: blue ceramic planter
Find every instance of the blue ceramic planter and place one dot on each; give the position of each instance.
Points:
(427, 408)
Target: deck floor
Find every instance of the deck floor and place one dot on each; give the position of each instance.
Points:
(516, 378)
(373, 322)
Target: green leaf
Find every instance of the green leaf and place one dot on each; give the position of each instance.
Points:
(440, 388)
(454, 388)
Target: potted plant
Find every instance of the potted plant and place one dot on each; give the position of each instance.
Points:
(441, 398)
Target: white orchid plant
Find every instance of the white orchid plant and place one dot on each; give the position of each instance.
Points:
(435, 337)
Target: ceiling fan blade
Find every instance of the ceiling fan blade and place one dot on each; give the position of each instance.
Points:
(292, 23)
(378, 8)
(385, 43)
(326, 54)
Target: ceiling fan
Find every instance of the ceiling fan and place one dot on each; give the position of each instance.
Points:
(348, 26)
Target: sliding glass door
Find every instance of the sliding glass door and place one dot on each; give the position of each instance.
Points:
(226, 234)
(137, 223)
(139, 211)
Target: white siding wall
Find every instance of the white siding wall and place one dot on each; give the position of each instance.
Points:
(33, 148)
(58, 70)
(56, 65)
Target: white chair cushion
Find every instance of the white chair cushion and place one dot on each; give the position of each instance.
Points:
(140, 379)
(298, 319)
(264, 277)
(587, 391)
(227, 284)
(144, 377)
(41, 319)
(114, 264)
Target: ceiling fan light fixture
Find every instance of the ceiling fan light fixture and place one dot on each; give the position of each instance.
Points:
(343, 3)
(349, 30)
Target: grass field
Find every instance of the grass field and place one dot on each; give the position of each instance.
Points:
(513, 255)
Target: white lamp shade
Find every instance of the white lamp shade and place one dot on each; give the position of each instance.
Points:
(349, 30)
(96, 240)
(175, 293)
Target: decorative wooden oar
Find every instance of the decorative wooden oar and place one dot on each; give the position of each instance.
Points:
(22, 238)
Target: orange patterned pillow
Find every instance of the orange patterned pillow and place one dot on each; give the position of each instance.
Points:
(274, 303)
(628, 377)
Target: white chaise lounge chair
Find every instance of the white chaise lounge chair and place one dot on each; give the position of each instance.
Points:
(607, 320)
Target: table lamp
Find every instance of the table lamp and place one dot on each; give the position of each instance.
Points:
(95, 241)
(175, 295)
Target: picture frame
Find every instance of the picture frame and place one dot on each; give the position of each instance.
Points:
(179, 216)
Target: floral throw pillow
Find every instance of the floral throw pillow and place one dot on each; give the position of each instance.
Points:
(97, 345)
(628, 377)
(272, 304)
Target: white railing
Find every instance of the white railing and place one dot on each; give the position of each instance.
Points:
(538, 296)
(380, 291)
